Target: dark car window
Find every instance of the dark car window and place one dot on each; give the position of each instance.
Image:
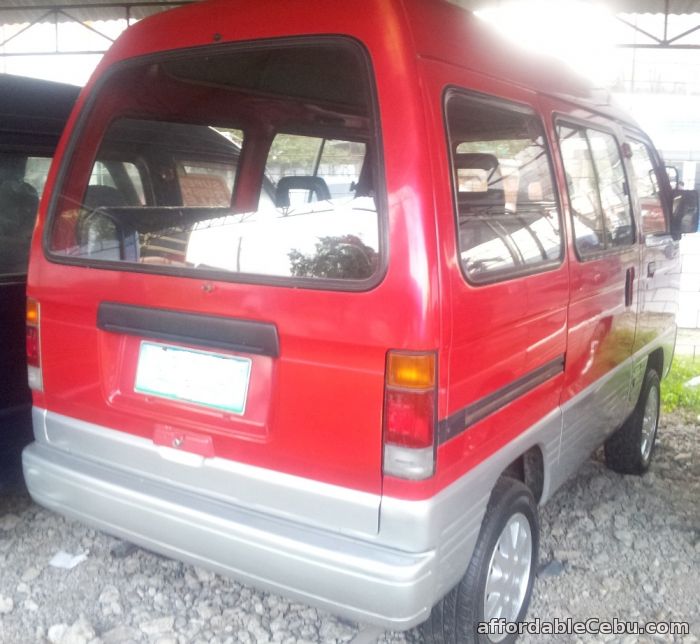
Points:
(22, 180)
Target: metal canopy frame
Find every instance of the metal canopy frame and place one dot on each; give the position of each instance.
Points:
(622, 9)
(78, 14)
(660, 42)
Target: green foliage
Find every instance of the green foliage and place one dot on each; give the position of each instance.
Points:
(505, 149)
(335, 257)
(674, 394)
(292, 154)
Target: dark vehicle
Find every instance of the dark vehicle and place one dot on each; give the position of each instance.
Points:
(32, 116)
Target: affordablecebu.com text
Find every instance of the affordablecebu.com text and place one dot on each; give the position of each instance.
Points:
(591, 626)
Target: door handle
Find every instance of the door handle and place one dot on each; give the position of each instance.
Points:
(629, 286)
(651, 269)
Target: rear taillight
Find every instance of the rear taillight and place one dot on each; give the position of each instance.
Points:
(35, 377)
(409, 415)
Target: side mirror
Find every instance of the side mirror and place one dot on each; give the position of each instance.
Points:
(672, 173)
(686, 212)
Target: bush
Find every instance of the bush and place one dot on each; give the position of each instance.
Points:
(674, 394)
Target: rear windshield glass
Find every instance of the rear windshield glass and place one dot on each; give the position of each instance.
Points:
(256, 162)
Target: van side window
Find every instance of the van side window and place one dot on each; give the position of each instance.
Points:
(598, 192)
(507, 213)
(614, 192)
(653, 219)
(586, 211)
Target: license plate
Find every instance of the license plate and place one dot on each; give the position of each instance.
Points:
(200, 377)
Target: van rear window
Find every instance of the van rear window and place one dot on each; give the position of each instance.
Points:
(249, 163)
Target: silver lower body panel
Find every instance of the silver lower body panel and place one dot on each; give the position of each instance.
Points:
(345, 575)
(228, 517)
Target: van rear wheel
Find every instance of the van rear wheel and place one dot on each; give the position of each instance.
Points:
(630, 448)
(498, 581)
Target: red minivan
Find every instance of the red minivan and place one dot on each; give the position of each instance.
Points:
(329, 300)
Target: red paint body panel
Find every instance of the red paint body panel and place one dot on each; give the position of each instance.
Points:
(339, 401)
(315, 411)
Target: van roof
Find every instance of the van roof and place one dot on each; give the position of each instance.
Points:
(470, 42)
(464, 40)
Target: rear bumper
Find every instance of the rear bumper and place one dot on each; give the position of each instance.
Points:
(346, 575)
(370, 558)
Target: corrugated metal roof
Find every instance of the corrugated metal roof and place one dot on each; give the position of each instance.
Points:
(29, 11)
(23, 11)
(617, 6)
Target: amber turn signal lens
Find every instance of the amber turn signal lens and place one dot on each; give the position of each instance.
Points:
(411, 370)
(32, 312)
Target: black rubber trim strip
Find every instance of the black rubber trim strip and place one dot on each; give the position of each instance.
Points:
(463, 419)
(259, 338)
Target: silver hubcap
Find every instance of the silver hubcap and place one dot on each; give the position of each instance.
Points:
(649, 423)
(509, 572)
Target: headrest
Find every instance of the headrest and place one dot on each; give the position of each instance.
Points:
(18, 205)
(316, 185)
(488, 168)
(479, 160)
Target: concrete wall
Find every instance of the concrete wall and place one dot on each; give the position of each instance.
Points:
(689, 310)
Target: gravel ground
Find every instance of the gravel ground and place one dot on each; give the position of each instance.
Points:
(612, 546)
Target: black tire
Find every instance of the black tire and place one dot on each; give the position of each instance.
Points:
(626, 450)
(455, 619)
